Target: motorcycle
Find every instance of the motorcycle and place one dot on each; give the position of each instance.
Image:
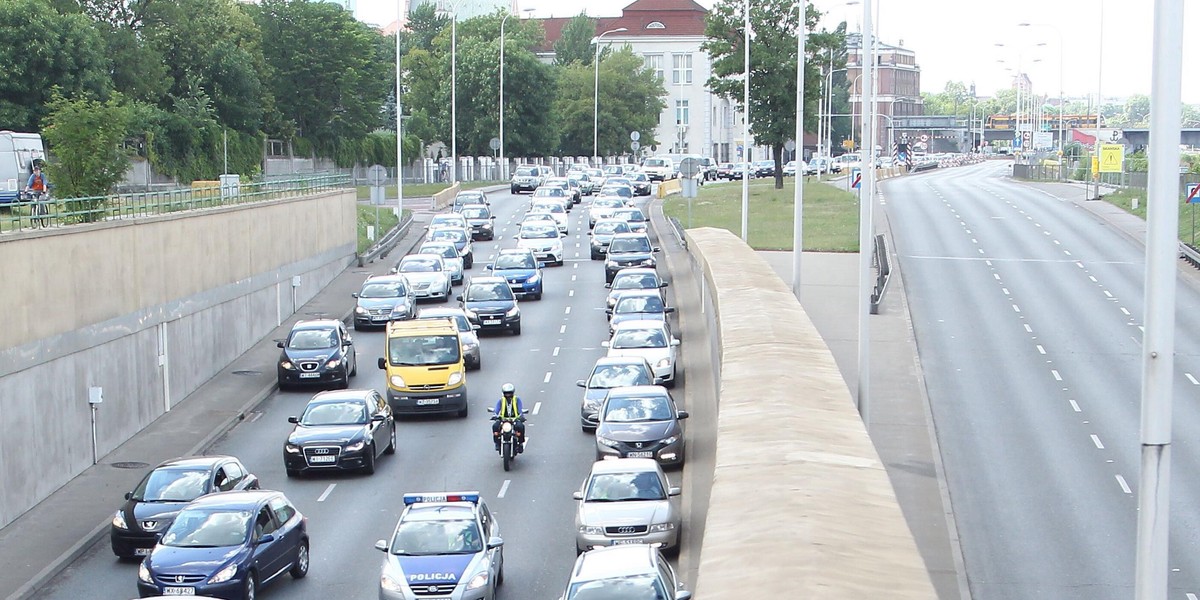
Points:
(508, 439)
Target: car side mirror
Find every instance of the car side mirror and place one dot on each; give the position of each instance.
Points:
(657, 249)
(608, 311)
(381, 545)
(459, 298)
(379, 418)
(348, 343)
(674, 341)
(664, 284)
(608, 286)
(669, 309)
(562, 234)
(494, 543)
(659, 381)
(577, 496)
(604, 344)
(581, 383)
(354, 295)
(294, 420)
(382, 363)
(674, 491)
(128, 495)
(487, 267)
(278, 343)
(542, 265)
(266, 538)
(683, 414)
(475, 327)
(683, 595)
(493, 217)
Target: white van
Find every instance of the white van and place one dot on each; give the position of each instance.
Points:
(659, 168)
(17, 153)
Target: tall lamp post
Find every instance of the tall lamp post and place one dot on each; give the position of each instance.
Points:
(596, 95)
(866, 216)
(453, 12)
(399, 128)
(1061, 99)
(503, 156)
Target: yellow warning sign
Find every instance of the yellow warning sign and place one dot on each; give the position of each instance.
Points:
(1111, 157)
(848, 144)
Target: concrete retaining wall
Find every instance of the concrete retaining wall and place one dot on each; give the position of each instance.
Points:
(147, 309)
(445, 198)
(801, 505)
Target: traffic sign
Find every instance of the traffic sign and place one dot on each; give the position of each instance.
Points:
(1111, 156)
(1192, 188)
(376, 175)
(635, 136)
(494, 143)
(689, 167)
(856, 178)
(848, 144)
(789, 145)
(634, 146)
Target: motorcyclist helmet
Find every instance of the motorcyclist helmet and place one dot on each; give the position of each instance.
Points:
(508, 390)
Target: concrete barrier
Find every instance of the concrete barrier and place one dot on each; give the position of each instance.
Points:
(445, 198)
(801, 505)
(670, 186)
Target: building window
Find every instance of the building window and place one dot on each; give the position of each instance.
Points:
(654, 62)
(681, 112)
(656, 25)
(681, 73)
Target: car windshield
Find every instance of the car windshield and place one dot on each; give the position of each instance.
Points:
(313, 339)
(621, 191)
(616, 487)
(391, 289)
(637, 409)
(631, 587)
(538, 232)
(611, 376)
(639, 304)
(608, 203)
(655, 162)
(635, 281)
(548, 207)
(639, 338)
(208, 528)
(514, 261)
(551, 191)
(420, 265)
(526, 172)
(631, 214)
(431, 538)
(335, 413)
(443, 250)
(630, 244)
(484, 292)
(468, 197)
(172, 485)
(423, 350)
(450, 235)
(641, 177)
(447, 220)
(610, 228)
(475, 213)
(618, 181)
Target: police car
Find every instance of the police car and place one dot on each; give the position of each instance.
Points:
(446, 546)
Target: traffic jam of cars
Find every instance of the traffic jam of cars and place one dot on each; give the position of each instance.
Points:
(205, 526)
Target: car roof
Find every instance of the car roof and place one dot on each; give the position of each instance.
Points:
(340, 396)
(248, 499)
(624, 465)
(439, 511)
(615, 561)
(488, 279)
(316, 324)
(515, 251)
(620, 360)
(640, 293)
(393, 278)
(421, 255)
(637, 271)
(639, 324)
(639, 391)
(193, 462)
(437, 312)
(480, 206)
(630, 235)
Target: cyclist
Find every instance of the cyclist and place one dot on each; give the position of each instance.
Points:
(38, 184)
(509, 408)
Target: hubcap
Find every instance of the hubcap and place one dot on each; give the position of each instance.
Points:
(303, 558)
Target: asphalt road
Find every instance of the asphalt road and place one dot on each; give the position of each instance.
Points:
(348, 512)
(1027, 311)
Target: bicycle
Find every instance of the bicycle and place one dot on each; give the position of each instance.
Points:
(39, 208)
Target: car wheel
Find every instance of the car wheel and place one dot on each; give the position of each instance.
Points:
(466, 409)
(354, 371)
(300, 569)
(391, 449)
(596, 256)
(512, 191)
(293, 473)
(537, 296)
(250, 589)
(517, 330)
(345, 382)
(469, 261)
(356, 327)
(369, 460)
(670, 384)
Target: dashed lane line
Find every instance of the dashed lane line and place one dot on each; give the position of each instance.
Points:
(327, 492)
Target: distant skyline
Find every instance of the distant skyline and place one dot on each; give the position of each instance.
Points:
(949, 47)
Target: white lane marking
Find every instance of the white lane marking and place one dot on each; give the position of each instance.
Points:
(1028, 328)
(1124, 486)
(1191, 596)
(987, 262)
(997, 276)
(537, 408)
(1108, 293)
(547, 379)
(327, 492)
(981, 250)
(1125, 310)
(254, 417)
(974, 241)
(1005, 290)
(1016, 308)
(575, 266)
(555, 351)
(1057, 377)
(1096, 441)
(504, 488)
(562, 329)
(1067, 252)
(1191, 379)
(1075, 406)
(1041, 350)
(1093, 278)
(570, 292)
(568, 310)
(573, 277)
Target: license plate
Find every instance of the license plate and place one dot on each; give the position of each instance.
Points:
(627, 541)
(141, 551)
(309, 375)
(323, 459)
(179, 591)
(428, 401)
(491, 321)
(641, 455)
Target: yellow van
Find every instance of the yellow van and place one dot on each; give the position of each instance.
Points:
(423, 360)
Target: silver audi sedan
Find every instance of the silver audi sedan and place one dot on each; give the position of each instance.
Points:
(627, 501)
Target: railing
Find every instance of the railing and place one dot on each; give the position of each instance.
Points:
(883, 273)
(207, 194)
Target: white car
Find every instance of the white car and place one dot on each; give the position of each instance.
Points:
(554, 209)
(427, 274)
(544, 239)
(792, 166)
(448, 220)
(603, 208)
(449, 255)
(651, 340)
(659, 168)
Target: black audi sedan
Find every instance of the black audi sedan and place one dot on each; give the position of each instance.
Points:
(151, 507)
(317, 352)
(490, 303)
(343, 430)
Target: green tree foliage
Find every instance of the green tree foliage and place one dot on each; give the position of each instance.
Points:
(631, 99)
(773, 59)
(40, 49)
(575, 45)
(955, 99)
(86, 138)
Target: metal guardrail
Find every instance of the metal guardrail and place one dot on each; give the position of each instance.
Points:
(1190, 253)
(677, 229)
(72, 211)
(883, 273)
(385, 244)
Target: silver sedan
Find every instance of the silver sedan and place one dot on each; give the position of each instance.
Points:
(627, 501)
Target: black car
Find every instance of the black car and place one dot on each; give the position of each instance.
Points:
(317, 352)
(344, 430)
(640, 422)
(628, 250)
(151, 507)
(490, 303)
(641, 184)
(480, 218)
(608, 373)
(602, 235)
(383, 299)
(763, 168)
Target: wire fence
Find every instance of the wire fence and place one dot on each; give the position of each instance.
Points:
(57, 212)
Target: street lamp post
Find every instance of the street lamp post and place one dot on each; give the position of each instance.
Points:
(399, 128)
(596, 95)
(1061, 99)
(866, 217)
(503, 156)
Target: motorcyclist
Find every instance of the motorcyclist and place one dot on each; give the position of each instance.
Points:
(509, 408)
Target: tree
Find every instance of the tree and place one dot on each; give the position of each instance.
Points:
(85, 140)
(575, 45)
(772, 109)
(631, 99)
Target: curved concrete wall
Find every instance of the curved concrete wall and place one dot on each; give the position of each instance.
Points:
(801, 505)
(148, 309)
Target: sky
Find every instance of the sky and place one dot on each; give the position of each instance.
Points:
(955, 40)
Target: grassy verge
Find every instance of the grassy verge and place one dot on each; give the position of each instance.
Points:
(366, 216)
(423, 189)
(1123, 198)
(830, 214)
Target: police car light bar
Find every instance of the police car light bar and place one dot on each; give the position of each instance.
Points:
(472, 497)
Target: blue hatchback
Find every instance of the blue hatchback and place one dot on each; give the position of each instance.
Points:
(227, 546)
(521, 270)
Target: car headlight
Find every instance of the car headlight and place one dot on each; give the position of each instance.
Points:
(291, 448)
(286, 364)
(455, 378)
(333, 364)
(396, 381)
(670, 440)
(358, 310)
(591, 530)
(592, 403)
(144, 573)
(118, 521)
(533, 278)
(662, 364)
(356, 446)
(471, 314)
(400, 309)
(386, 582)
(513, 312)
(603, 441)
(661, 527)
(478, 581)
(487, 225)
(224, 574)
(649, 262)
(611, 264)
